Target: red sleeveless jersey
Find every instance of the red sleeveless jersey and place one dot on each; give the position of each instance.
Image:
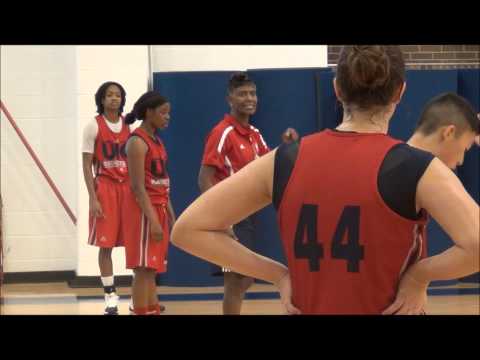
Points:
(110, 157)
(346, 249)
(157, 181)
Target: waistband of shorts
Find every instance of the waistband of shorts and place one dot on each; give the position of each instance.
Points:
(159, 204)
(111, 180)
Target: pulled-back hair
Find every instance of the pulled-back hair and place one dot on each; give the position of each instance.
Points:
(149, 100)
(369, 76)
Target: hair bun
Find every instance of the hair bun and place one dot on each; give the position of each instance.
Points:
(370, 66)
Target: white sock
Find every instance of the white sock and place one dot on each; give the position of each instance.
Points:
(107, 280)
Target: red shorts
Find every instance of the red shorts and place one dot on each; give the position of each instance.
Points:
(106, 232)
(140, 249)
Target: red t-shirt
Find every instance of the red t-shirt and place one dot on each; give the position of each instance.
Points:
(110, 158)
(230, 146)
(346, 249)
(157, 181)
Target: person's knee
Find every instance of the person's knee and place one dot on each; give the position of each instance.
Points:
(105, 252)
(144, 272)
(139, 273)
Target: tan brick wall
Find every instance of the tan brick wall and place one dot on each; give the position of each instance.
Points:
(430, 56)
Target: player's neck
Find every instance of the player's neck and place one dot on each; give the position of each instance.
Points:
(111, 116)
(364, 123)
(422, 142)
(148, 128)
(242, 119)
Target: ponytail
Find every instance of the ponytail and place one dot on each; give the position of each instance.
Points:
(130, 118)
(149, 100)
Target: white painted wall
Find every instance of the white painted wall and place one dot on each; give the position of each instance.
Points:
(127, 65)
(49, 90)
(238, 57)
(38, 86)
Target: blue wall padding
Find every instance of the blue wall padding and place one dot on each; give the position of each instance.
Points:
(329, 108)
(422, 85)
(286, 98)
(198, 103)
(300, 98)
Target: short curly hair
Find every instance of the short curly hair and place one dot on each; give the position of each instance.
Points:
(102, 91)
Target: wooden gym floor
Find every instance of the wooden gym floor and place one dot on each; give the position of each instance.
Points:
(60, 299)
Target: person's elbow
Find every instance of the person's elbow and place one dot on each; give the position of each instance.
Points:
(475, 250)
(179, 233)
(87, 161)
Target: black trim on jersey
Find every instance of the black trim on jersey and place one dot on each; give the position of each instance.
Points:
(285, 158)
(398, 177)
(155, 139)
(399, 174)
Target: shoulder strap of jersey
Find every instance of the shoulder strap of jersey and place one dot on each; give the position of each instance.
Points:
(141, 134)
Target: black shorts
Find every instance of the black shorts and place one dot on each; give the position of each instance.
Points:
(245, 232)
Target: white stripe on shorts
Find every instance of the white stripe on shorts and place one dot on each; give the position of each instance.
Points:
(91, 238)
(147, 229)
(141, 240)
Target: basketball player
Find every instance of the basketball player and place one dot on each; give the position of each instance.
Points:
(231, 145)
(343, 198)
(148, 215)
(103, 148)
(446, 129)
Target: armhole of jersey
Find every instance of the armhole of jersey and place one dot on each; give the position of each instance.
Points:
(162, 145)
(95, 146)
(398, 177)
(94, 141)
(95, 164)
(98, 128)
(284, 163)
(140, 137)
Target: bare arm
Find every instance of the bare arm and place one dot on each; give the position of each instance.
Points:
(441, 193)
(201, 229)
(136, 150)
(87, 162)
(94, 204)
(206, 177)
